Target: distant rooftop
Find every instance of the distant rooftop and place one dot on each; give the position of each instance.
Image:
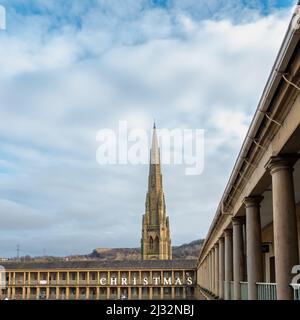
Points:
(105, 265)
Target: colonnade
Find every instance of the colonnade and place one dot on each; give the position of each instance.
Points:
(236, 255)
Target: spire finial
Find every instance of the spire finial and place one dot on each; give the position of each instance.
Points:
(155, 148)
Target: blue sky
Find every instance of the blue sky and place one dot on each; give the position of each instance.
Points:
(70, 68)
(64, 12)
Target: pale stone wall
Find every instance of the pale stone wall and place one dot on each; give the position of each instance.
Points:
(27, 284)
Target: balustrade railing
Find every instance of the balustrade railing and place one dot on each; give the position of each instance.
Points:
(266, 291)
(231, 289)
(244, 290)
(296, 288)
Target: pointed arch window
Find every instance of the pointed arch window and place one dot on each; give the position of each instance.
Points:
(151, 243)
(156, 244)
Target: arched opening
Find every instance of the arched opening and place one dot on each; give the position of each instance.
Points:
(151, 243)
(156, 244)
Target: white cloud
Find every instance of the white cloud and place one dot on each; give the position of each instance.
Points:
(57, 89)
(16, 217)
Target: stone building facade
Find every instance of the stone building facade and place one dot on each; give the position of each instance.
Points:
(100, 280)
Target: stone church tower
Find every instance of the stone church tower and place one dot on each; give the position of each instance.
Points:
(156, 241)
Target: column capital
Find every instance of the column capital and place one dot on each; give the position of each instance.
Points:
(227, 232)
(282, 162)
(221, 239)
(253, 201)
(238, 220)
(216, 245)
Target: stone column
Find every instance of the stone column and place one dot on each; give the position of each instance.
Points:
(140, 293)
(67, 293)
(284, 222)
(202, 275)
(199, 275)
(228, 262)
(209, 271)
(221, 268)
(206, 272)
(162, 284)
(129, 278)
(253, 243)
(213, 270)
(172, 293)
(238, 256)
(216, 269)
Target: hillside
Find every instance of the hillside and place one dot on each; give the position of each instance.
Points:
(186, 251)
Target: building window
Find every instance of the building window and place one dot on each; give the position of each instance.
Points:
(156, 244)
(134, 291)
(167, 291)
(151, 243)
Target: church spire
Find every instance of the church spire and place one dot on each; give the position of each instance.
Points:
(155, 242)
(155, 176)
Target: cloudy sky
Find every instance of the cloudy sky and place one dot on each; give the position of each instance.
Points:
(70, 68)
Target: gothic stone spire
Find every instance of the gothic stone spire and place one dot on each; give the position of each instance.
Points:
(155, 242)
